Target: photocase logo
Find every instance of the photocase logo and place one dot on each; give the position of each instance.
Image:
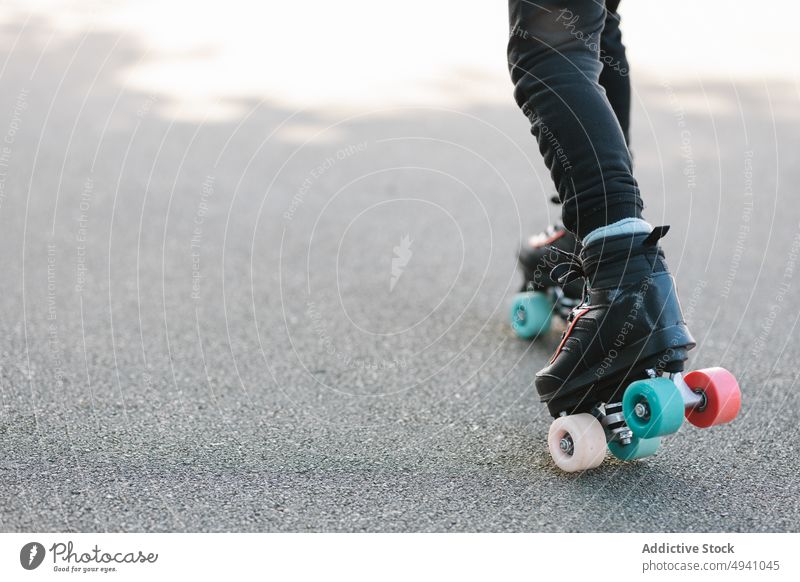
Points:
(402, 254)
(31, 555)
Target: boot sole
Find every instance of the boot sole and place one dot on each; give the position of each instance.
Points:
(663, 350)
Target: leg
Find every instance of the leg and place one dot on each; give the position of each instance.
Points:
(554, 60)
(615, 77)
(631, 325)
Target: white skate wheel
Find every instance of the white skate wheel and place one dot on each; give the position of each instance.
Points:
(577, 442)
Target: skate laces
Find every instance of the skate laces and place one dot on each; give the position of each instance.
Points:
(569, 270)
(586, 264)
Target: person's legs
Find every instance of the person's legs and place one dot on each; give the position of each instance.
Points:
(630, 325)
(615, 76)
(554, 60)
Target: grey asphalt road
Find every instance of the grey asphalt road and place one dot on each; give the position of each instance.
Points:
(201, 328)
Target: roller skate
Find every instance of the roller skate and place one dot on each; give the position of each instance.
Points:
(616, 379)
(541, 296)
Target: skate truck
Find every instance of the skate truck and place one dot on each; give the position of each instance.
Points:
(650, 409)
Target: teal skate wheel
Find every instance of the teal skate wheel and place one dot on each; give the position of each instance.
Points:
(653, 407)
(636, 449)
(531, 313)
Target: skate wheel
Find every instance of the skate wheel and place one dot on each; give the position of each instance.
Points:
(531, 312)
(723, 397)
(636, 449)
(576, 442)
(653, 407)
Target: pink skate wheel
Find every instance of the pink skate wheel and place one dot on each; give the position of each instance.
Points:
(722, 394)
(577, 442)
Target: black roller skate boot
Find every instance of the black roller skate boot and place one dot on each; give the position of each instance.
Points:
(617, 378)
(541, 296)
(630, 322)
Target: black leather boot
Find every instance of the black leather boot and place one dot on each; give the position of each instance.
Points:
(538, 256)
(629, 322)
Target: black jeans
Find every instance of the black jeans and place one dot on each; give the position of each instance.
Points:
(570, 73)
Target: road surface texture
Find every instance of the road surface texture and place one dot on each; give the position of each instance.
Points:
(297, 320)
